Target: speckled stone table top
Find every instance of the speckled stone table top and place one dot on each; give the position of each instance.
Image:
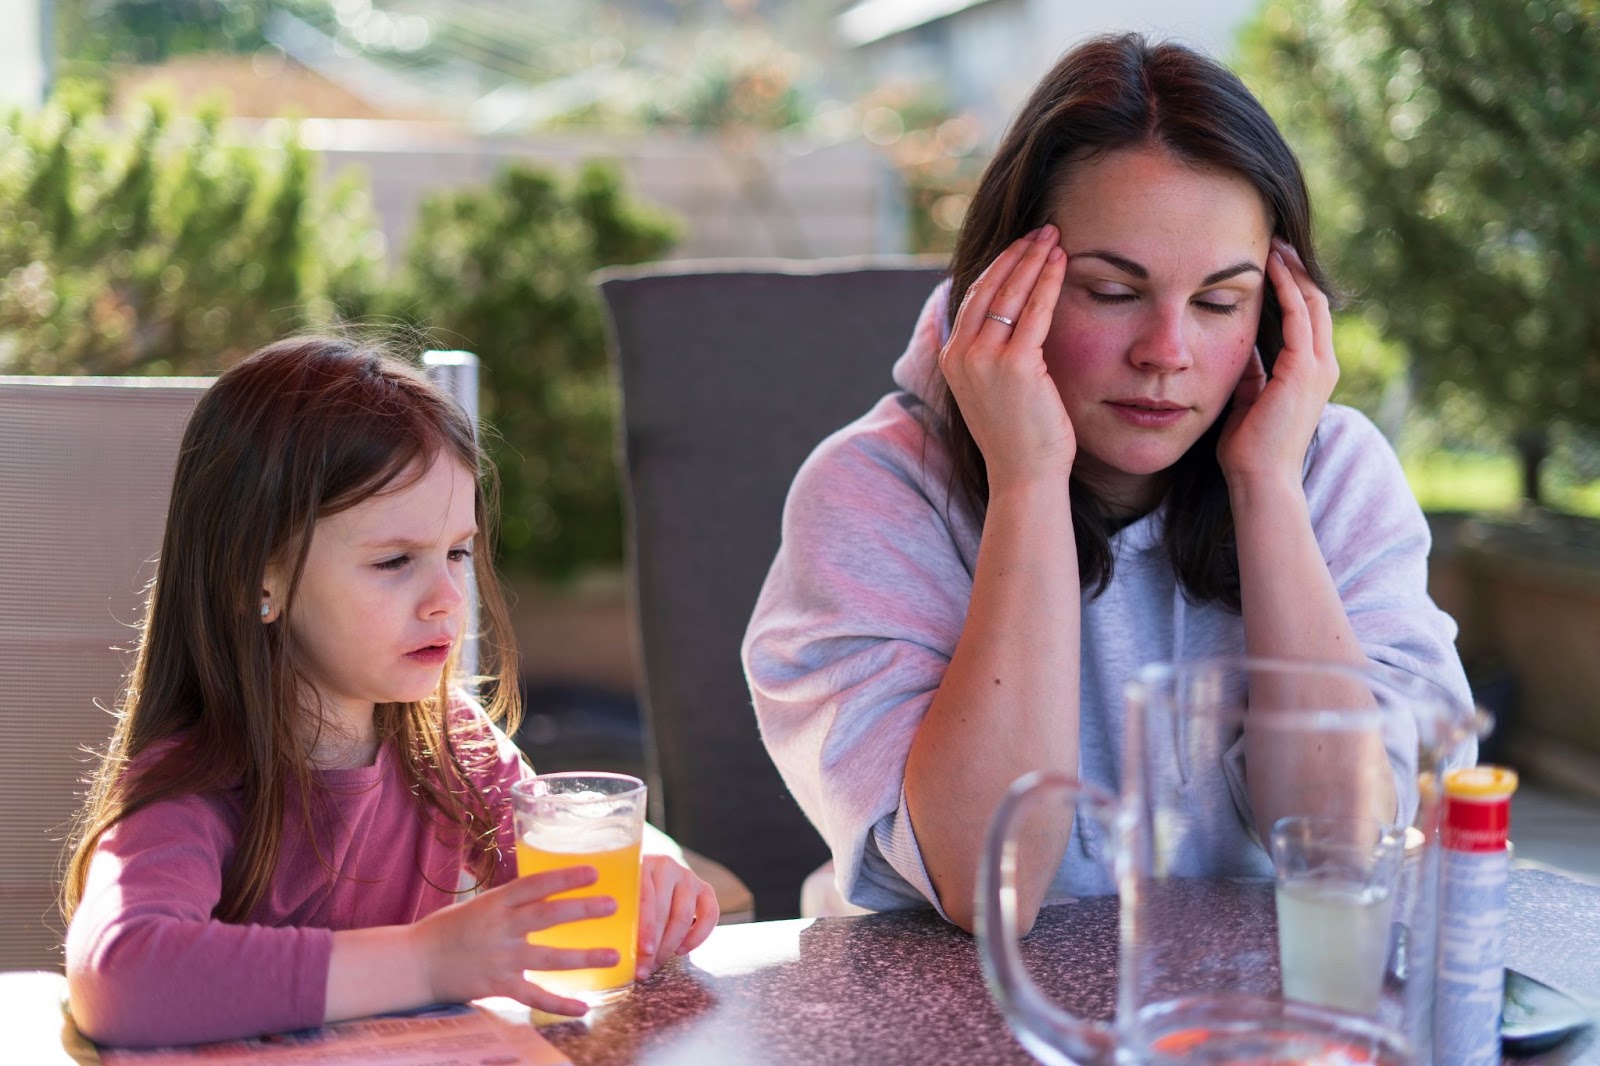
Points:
(885, 989)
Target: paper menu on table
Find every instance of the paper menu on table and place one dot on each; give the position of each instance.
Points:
(457, 1035)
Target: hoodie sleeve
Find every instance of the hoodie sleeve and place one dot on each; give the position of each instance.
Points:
(148, 964)
(851, 637)
(1376, 542)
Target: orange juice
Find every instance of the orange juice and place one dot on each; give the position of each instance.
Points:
(618, 868)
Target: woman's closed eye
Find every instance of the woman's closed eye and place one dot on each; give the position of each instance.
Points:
(1217, 307)
(392, 563)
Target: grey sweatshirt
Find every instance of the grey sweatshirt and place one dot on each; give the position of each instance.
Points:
(866, 599)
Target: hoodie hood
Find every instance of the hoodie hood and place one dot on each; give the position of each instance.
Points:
(917, 370)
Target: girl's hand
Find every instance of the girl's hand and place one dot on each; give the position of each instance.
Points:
(997, 372)
(677, 911)
(480, 947)
(1272, 421)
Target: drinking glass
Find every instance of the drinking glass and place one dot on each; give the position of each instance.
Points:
(585, 819)
(1336, 889)
(1213, 753)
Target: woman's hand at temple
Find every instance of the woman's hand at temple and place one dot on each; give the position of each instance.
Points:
(997, 371)
(1272, 421)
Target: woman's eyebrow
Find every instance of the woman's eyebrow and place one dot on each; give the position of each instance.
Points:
(1128, 266)
(1230, 272)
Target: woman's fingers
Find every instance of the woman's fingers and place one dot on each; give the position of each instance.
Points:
(1005, 289)
(1318, 316)
(1252, 382)
(1018, 287)
(1033, 322)
(1292, 302)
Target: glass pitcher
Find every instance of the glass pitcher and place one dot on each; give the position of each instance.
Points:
(1215, 751)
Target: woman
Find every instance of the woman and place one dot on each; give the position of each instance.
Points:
(1133, 356)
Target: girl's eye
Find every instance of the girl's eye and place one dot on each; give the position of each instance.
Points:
(1217, 308)
(392, 564)
(460, 555)
(1111, 297)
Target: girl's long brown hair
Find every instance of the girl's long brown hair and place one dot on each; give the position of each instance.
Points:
(301, 429)
(1107, 94)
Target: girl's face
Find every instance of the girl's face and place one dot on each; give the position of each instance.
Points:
(380, 604)
(1158, 314)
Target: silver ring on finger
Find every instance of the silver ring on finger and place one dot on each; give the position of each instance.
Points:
(1002, 319)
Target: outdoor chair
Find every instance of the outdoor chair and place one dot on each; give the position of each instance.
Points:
(85, 469)
(731, 373)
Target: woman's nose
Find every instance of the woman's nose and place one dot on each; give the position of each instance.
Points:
(1161, 346)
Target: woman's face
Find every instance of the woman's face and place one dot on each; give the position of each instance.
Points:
(1158, 314)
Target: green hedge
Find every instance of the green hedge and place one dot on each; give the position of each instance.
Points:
(152, 245)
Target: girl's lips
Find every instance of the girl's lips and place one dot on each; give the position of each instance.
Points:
(1148, 417)
(430, 656)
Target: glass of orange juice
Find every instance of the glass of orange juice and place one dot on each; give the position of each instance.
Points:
(585, 819)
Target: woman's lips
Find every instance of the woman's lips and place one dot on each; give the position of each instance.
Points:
(1158, 415)
(430, 656)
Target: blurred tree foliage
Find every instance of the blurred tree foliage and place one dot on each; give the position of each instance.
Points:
(504, 272)
(156, 245)
(1461, 146)
(152, 245)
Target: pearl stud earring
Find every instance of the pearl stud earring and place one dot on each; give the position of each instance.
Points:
(266, 611)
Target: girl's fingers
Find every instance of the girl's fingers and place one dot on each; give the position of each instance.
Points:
(648, 926)
(532, 887)
(531, 995)
(706, 912)
(650, 950)
(680, 916)
(542, 914)
(538, 957)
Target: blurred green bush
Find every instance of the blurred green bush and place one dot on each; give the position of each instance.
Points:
(503, 271)
(153, 244)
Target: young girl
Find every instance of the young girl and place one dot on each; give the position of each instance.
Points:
(1112, 445)
(296, 800)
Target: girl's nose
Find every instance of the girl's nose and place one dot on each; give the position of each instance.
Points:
(447, 592)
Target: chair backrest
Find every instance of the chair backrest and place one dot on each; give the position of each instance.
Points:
(731, 373)
(85, 471)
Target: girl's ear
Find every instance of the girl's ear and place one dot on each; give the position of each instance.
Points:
(272, 591)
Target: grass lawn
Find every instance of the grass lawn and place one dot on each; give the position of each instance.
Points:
(1474, 481)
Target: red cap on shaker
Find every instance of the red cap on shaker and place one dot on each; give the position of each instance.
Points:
(1477, 812)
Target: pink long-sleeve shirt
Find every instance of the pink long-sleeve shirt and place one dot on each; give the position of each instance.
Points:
(148, 964)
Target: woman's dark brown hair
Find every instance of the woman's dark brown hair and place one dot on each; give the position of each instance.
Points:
(300, 430)
(1116, 93)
